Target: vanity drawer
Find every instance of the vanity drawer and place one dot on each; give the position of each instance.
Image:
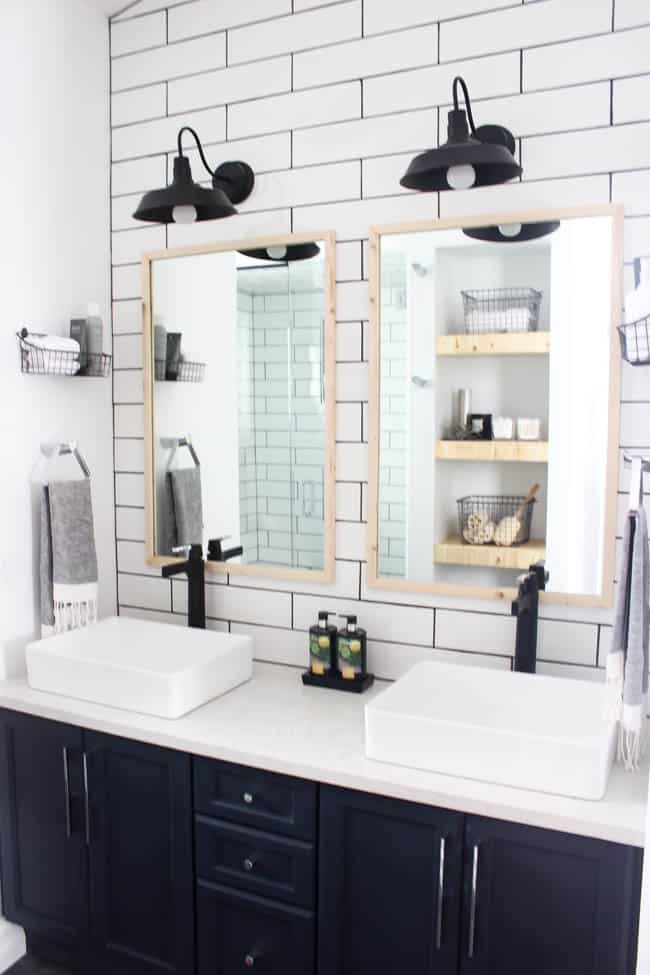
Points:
(237, 932)
(275, 803)
(271, 866)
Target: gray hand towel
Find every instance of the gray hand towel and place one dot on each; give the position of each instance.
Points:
(627, 663)
(187, 504)
(68, 562)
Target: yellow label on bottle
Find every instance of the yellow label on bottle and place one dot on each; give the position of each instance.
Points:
(348, 673)
(324, 642)
(355, 646)
(317, 667)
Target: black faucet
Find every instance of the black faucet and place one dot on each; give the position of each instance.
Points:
(194, 568)
(216, 552)
(526, 608)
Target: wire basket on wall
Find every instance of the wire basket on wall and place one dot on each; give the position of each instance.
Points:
(188, 372)
(501, 310)
(635, 341)
(488, 519)
(36, 360)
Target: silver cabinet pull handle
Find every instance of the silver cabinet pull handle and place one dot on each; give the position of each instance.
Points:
(86, 799)
(248, 798)
(249, 864)
(441, 893)
(249, 960)
(66, 783)
(472, 906)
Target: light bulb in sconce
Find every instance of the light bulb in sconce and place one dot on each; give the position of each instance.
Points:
(461, 177)
(277, 252)
(509, 229)
(184, 214)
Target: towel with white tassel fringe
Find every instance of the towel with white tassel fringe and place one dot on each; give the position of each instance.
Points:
(68, 564)
(627, 662)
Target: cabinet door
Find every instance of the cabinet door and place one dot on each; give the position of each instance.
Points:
(140, 834)
(44, 856)
(538, 901)
(389, 893)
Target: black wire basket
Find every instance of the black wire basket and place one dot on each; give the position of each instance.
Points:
(185, 372)
(488, 519)
(501, 310)
(39, 361)
(635, 341)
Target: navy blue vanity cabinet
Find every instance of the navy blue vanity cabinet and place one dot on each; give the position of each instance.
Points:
(390, 886)
(44, 855)
(540, 902)
(255, 857)
(530, 902)
(140, 851)
(97, 859)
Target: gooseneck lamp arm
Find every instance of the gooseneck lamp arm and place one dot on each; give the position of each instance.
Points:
(460, 83)
(199, 146)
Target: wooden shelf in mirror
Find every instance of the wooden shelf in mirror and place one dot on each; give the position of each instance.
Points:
(501, 343)
(519, 451)
(454, 551)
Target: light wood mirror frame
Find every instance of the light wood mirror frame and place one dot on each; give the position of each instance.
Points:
(606, 595)
(328, 238)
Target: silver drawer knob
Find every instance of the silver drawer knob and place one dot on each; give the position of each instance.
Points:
(248, 799)
(249, 961)
(248, 864)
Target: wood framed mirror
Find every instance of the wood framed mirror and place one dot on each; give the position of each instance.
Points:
(240, 404)
(494, 403)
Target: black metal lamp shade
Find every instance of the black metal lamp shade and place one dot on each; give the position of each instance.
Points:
(158, 206)
(188, 202)
(470, 156)
(511, 233)
(290, 253)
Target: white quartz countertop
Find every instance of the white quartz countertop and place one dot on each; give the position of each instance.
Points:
(275, 723)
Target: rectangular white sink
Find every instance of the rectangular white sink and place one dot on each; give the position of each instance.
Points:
(524, 730)
(152, 668)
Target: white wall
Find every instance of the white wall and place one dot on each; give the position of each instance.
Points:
(54, 256)
(329, 101)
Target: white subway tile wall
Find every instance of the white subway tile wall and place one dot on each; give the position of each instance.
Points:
(328, 101)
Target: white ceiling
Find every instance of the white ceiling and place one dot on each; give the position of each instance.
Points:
(109, 7)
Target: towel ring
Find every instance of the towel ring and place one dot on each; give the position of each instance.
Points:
(174, 444)
(50, 451)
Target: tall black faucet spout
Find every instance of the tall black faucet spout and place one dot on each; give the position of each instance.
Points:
(526, 608)
(194, 568)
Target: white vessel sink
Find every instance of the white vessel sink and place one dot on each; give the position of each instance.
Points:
(152, 668)
(523, 730)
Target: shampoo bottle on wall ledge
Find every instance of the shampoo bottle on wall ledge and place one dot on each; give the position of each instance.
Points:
(322, 646)
(95, 339)
(352, 650)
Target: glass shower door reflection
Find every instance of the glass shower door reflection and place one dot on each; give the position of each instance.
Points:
(282, 418)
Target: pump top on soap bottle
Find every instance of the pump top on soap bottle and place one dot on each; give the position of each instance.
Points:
(352, 649)
(322, 645)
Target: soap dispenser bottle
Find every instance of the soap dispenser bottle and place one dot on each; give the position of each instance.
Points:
(352, 650)
(322, 646)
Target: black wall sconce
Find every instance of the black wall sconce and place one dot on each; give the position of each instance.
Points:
(284, 253)
(512, 233)
(469, 157)
(186, 201)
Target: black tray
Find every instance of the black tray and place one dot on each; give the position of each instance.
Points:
(338, 683)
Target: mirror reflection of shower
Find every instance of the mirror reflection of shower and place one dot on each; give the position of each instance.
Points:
(281, 415)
